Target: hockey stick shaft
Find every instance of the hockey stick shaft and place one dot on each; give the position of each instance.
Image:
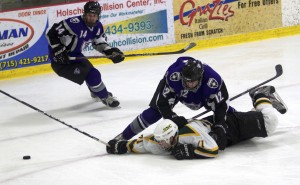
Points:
(56, 119)
(188, 47)
(279, 72)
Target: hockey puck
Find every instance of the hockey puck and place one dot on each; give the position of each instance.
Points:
(26, 157)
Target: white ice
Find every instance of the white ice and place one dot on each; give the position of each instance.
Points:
(61, 155)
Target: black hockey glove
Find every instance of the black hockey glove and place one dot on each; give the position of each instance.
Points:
(180, 121)
(218, 133)
(116, 147)
(116, 55)
(60, 55)
(183, 151)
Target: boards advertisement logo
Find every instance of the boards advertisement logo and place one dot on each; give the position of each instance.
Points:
(14, 37)
(216, 10)
(209, 19)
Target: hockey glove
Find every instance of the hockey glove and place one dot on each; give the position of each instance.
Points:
(180, 121)
(60, 55)
(116, 55)
(218, 133)
(116, 147)
(183, 151)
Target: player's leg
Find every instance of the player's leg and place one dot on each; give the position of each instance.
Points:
(75, 72)
(141, 122)
(244, 126)
(272, 95)
(146, 118)
(98, 89)
(81, 71)
(264, 99)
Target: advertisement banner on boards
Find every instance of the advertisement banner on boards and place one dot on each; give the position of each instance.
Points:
(205, 19)
(129, 25)
(22, 40)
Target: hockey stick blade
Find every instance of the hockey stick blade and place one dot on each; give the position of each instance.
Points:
(279, 72)
(188, 47)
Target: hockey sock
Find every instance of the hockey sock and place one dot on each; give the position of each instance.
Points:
(95, 84)
(261, 99)
(142, 121)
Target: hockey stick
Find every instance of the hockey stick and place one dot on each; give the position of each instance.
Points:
(279, 72)
(70, 126)
(188, 47)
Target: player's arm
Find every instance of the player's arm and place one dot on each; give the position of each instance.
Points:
(100, 44)
(60, 47)
(207, 148)
(218, 103)
(188, 151)
(198, 146)
(165, 101)
(56, 32)
(139, 146)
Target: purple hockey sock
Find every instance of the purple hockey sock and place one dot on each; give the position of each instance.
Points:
(95, 84)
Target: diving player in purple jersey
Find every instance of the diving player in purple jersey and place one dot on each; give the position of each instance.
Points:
(67, 39)
(190, 82)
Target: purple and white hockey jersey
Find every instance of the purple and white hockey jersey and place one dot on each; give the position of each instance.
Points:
(211, 94)
(76, 35)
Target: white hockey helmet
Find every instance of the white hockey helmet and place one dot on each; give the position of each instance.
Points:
(166, 134)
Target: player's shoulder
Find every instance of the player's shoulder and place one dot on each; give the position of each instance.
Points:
(173, 73)
(99, 25)
(194, 128)
(99, 29)
(187, 130)
(74, 20)
(74, 23)
(211, 78)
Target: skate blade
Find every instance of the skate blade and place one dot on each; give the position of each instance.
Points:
(285, 108)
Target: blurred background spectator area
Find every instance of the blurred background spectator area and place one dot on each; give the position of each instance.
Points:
(7, 5)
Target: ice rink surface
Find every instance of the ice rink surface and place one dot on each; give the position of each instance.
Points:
(61, 155)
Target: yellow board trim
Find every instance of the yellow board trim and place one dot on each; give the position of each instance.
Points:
(201, 44)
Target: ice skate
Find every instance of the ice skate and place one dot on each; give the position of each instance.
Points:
(95, 97)
(110, 101)
(272, 95)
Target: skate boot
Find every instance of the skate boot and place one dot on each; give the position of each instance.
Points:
(95, 97)
(269, 92)
(110, 100)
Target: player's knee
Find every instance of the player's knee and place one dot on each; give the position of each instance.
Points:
(150, 115)
(95, 72)
(93, 77)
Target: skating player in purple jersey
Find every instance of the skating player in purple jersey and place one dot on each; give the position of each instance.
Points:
(67, 39)
(190, 82)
